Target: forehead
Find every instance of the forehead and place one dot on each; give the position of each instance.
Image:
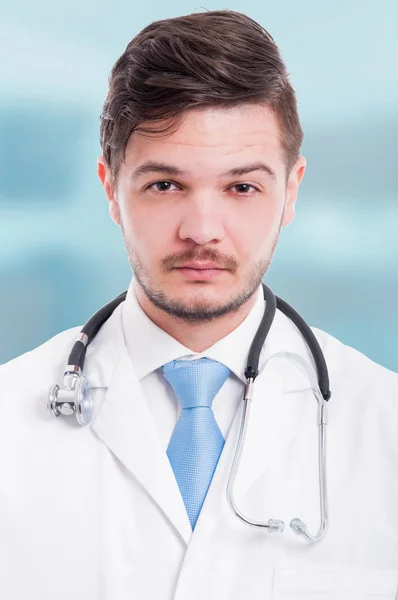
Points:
(212, 134)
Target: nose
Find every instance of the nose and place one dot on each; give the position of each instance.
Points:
(203, 220)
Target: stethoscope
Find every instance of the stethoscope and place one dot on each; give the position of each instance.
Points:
(75, 397)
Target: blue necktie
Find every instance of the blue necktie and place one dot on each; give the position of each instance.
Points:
(196, 443)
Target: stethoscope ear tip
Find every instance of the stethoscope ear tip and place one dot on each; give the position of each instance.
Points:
(298, 527)
(275, 526)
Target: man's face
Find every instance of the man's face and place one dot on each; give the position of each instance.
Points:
(178, 200)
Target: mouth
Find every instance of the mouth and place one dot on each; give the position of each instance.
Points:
(200, 273)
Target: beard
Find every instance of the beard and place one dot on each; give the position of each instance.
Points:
(201, 309)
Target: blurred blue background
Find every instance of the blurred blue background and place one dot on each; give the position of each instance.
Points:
(61, 257)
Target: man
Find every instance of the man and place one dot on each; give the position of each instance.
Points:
(201, 167)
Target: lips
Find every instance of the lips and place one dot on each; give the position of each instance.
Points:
(201, 271)
(198, 266)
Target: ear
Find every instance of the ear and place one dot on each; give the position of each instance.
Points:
(108, 184)
(295, 177)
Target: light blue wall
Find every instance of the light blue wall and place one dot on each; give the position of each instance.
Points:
(61, 257)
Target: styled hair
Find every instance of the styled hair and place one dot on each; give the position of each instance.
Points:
(219, 58)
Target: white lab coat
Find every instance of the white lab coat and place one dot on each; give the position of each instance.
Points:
(94, 513)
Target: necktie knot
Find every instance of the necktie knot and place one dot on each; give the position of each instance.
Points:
(195, 382)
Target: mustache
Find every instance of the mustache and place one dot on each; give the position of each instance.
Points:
(223, 261)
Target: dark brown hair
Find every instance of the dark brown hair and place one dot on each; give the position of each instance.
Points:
(218, 58)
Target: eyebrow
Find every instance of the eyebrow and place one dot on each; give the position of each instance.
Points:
(159, 167)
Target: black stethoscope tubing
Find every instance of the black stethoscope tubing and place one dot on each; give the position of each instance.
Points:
(272, 302)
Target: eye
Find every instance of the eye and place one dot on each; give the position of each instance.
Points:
(164, 186)
(243, 188)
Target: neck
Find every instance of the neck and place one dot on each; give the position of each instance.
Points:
(195, 336)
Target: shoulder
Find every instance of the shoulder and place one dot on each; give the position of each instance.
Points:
(346, 357)
(36, 366)
(26, 380)
(363, 408)
(355, 372)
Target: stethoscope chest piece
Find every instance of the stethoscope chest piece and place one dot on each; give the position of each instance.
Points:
(75, 397)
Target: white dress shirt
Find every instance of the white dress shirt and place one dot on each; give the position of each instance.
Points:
(150, 347)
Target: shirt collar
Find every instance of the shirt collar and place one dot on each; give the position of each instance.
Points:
(150, 347)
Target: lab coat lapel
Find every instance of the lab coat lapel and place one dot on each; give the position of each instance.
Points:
(125, 425)
(283, 405)
(283, 401)
(276, 418)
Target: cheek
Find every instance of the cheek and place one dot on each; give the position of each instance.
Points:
(255, 231)
(150, 234)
